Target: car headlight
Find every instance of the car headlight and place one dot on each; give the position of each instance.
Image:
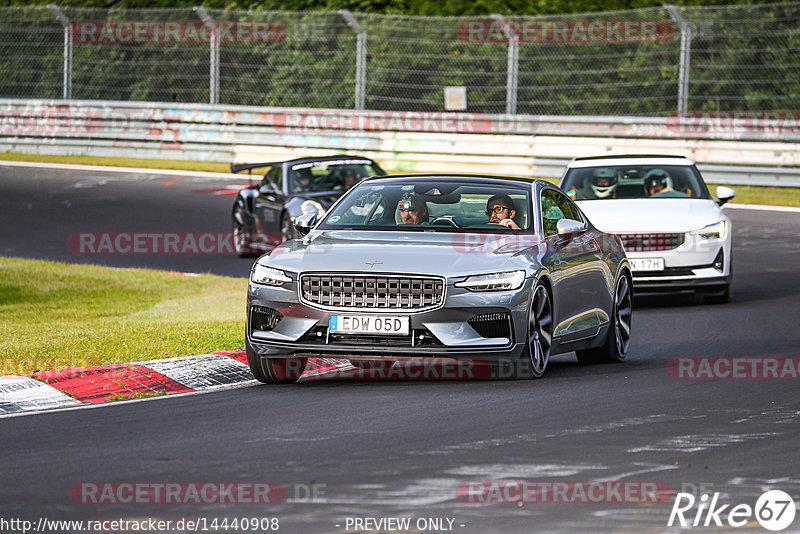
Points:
(494, 281)
(261, 274)
(716, 230)
(311, 206)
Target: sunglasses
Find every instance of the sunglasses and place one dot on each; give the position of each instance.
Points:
(497, 209)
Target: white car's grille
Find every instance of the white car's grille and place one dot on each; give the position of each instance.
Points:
(650, 242)
(381, 292)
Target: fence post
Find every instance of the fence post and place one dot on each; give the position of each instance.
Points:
(683, 67)
(67, 49)
(361, 57)
(213, 89)
(512, 74)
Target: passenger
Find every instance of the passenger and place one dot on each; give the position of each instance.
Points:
(413, 211)
(500, 209)
(349, 179)
(657, 181)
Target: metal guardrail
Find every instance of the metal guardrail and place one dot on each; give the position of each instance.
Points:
(409, 141)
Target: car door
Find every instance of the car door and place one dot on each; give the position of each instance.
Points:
(269, 205)
(576, 270)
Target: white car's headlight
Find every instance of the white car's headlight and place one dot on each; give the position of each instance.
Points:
(261, 274)
(494, 281)
(311, 206)
(716, 230)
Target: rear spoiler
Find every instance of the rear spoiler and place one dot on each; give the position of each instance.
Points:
(249, 166)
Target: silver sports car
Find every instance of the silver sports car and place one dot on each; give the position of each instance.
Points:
(501, 271)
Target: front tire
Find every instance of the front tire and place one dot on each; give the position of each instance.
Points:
(274, 370)
(618, 337)
(242, 237)
(536, 355)
(722, 298)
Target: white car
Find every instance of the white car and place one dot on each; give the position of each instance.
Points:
(675, 234)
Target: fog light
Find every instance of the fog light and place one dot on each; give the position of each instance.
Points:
(719, 261)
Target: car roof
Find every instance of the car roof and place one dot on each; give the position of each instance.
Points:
(238, 167)
(630, 159)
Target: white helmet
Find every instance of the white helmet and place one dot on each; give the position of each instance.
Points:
(608, 178)
(657, 177)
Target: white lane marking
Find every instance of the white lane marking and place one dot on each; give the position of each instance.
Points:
(503, 471)
(24, 394)
(127, 170)
(761, 207)
(701, 442)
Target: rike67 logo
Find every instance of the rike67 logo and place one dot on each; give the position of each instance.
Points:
(774, 510)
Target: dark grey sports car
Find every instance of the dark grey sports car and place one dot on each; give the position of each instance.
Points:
(462, 268)
(263, 213)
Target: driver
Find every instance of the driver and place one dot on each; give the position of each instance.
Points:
(302, 180)
(657, 181)
(413, 210)
(500, 209)
(604, 183)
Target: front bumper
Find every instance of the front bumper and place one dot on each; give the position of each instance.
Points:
(698, 265)
(439, 333)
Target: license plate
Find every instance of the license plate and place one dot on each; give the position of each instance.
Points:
(646, 264)
(369, 324)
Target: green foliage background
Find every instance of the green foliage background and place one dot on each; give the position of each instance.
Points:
(742, 58)
(403, 7)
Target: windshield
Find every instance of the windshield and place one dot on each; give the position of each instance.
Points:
(330, 175)
(431, 205)
(634, 181)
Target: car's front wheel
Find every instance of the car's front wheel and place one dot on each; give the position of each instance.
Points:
(274, 370)
(618, 337)
(242, 237)
(536, 355)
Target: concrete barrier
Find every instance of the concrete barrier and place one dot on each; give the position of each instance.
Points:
(400, 141)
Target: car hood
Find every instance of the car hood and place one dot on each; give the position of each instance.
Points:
(449, 254)
(646, 215)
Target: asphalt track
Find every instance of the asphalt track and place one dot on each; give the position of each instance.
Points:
(383, 449)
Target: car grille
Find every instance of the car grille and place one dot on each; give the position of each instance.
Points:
(355, 291)
(649, 242)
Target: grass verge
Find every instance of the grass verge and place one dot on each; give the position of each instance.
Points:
(56, 315)
(168, 164)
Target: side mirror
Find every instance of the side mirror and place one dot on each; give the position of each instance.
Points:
(567, 228)
(267, 189)
(724, 194)
(305, 222)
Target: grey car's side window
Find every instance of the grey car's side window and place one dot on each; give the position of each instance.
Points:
(275, 177)
(556, 206)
